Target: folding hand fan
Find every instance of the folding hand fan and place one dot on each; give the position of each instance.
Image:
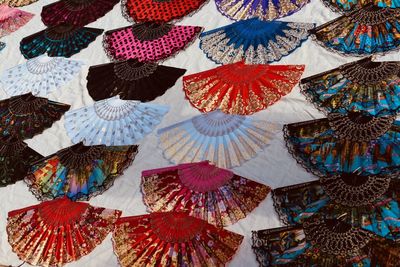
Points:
(41, 75)
(362, 32)
(148, 42)
(364, 85)
(17, 3)
(25, 116)
(113, 122)
(11, 19)
(262, 9)
(63, 40)
(240, 89)
(253, 40)
(15, 160)
(79, 172)
(160, 11)
(322, 242)
(57, 232)
(227, 140)
(371, 202)
(172, 239)
(131, 80)
(350, 143)
(76, 12)
(206, 192)
(346, 6)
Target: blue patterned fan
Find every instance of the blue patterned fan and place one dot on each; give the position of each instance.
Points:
(253, 40)
(113, 122)
(63, 40)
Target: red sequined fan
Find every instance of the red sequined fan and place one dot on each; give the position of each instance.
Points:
(172, 239)
(59, 231)
(239, 88)
(205, 191)
(160, 11)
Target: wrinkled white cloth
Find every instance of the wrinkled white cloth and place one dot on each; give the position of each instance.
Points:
(274, 166)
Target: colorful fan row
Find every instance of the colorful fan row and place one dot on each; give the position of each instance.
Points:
(189, 204)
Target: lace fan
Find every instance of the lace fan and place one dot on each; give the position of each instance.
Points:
(63, 40)
(371, 202)
(227, 140)
(172, 238)
(15, 159)
(79, 172)
(206, 192)
(322, 242)
(350, 143)
(113, 122)
(131, 80)
(365, 31)
(148, 42)
(78, 13)
(254, 41)
(239, 88)
(40, 76)
(57, 232)
(25, 116)
(262, 9)
(11, 19)
(364, 85)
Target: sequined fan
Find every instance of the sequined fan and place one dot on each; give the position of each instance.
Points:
(148, 42)
(253, 40)
(113, 122)
(239, 88)
(15, 159)
(25, 116)
(262, 9)
(11, 19)
(343, 6)
(172, 238)
(57, 232)
(350, 143)
(160, 11)
(206, 192)
(79, 172)
(76, 12)
(226, 140)
(364, 85)
(131, 80)
(371, 202)
(362, 32)
(41, 75)
(63, 40)
(323, 242)
(17, 3)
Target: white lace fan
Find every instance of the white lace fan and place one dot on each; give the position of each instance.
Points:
(113, 122)
(227, 140)
(40, 76)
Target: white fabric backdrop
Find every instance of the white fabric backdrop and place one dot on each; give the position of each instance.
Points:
(274, 166)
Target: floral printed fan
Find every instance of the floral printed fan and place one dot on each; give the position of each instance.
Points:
(11, 19)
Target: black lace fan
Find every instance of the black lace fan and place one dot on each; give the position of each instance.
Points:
(63, 40)
(15, 159)
(132, 80)
(25, 116)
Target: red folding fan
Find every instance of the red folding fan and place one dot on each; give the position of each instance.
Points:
(56, 232)
(160, 11)
(239, 88)
(172, 239)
